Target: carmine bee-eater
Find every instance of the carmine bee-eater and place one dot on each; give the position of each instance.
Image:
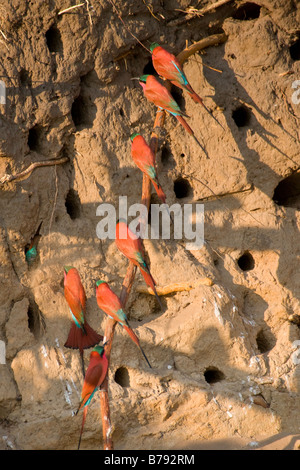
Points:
(132, 247)
(144, 158)
(94, 378)
(168, 67)
(31, 249)
(110, 303)
(81, 335)
(158, 94)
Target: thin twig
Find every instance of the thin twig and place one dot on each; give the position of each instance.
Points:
(150, 8)
(192, 13)
(70, 8)
(207, 9)
(88, 11)
(8, 178)
(86, 3)
(126, 27)
(3, 35)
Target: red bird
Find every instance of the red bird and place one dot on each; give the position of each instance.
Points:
(158, 94)
(144, 159)
(132, 247)
(81, 335)
(94, 378)
(168, 67)
(110, 303)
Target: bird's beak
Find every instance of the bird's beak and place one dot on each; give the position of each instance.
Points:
(135, 78)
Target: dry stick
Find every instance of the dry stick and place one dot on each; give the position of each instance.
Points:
(175, 287)
(194, 13)
(131, 270)
(56, 161)
(70, 8)
(202, 44)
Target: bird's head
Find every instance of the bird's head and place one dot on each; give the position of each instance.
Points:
(135, 134)
(143, 78)
(121, 220)
(153, 46)
(99, 349)
(67, 269)
(99, 282)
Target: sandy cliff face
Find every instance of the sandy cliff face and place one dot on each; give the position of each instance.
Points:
(224, 356)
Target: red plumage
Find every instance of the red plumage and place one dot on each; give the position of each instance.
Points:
(144, 158)
(132, 335)
(158, 94)
(94, 378)
(81, 335)
(110, 303)
(168, 67)
(161, 97)
(132, 247)
(79, 339)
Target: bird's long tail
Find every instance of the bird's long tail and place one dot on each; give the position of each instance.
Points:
(184, 124)
(81, 339)
(197, 99)
(150, 282)
(159, 191)
(82, 425)
(190, 131)
(161, 196)
(134, 338)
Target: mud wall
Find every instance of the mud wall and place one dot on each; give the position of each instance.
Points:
(224, 356)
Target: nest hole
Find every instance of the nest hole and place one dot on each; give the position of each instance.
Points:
(287, 192)
(53, 40)
(122, 377)
(35, 319)
(241, 116)
(149, 69)
(73, 204)
(247, 11)
(182, 188)
(177, 94)
(213, 375)
(295, 50)
(83, 110)
(78, 111)
(166, 155)
(264, 343)
(34, 138)
(246, 261)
